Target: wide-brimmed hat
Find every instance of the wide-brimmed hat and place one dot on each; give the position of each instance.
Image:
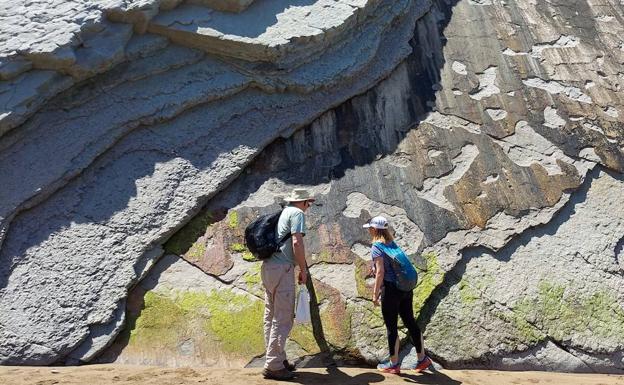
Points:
(299, 195)
(377, 223)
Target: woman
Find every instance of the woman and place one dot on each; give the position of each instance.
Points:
(387, 257)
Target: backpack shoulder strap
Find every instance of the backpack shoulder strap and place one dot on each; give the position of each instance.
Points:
(284, 239)
(381, 246)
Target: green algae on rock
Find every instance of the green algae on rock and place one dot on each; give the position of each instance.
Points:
(566, 314)
(233, 219)
(245, 253)
(428, 279)
(182, 240)
(233, 321)
(253, 279)
(302, 335)
(468, 128)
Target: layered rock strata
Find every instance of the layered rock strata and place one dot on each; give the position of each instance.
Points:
(489, 133)
(174, 114)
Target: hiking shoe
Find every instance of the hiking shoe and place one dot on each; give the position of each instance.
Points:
(422, 364)
(279, 375)
(389, 367)
(289, 366)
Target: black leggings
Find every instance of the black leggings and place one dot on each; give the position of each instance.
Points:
(395, 302)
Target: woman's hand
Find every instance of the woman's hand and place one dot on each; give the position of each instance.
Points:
(376, 299)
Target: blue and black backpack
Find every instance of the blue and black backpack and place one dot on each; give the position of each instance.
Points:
(261, 234)
(406, 274)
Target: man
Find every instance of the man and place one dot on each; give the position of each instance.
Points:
(279, 282)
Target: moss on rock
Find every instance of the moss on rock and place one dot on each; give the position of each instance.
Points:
(253, 279)
(182, 241)
(197, 251)
(237, 321)
(233, 321)
(241, 248)
(336, 321)
(467, 293)
(361, 271)
(334, 314)
(153, 327)
(247, 256)
(303, 336)
(525, 332)
(428, 279)
(563, 312)
(233, 219)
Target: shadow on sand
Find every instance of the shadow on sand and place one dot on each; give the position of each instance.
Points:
(335, 376)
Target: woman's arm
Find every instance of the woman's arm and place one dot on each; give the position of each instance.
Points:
(379, 276)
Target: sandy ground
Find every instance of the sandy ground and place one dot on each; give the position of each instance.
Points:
(146, 375)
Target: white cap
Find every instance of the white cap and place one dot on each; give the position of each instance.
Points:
(377, 223)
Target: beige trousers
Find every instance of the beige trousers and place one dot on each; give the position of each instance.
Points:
(279, 311)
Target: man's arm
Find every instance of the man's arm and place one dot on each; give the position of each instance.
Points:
(299, 251)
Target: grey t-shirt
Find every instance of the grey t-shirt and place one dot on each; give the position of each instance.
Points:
(291, 221)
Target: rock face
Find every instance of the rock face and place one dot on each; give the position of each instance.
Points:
(138, 139)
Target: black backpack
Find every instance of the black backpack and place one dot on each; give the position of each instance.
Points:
(260, 236)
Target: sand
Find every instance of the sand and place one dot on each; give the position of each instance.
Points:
(147, 375)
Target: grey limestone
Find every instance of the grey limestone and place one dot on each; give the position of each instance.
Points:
(9, 69)
(522, 281)
(224, 5)
(274, 31)
(23, 95)
(489, 133)
(169, 135)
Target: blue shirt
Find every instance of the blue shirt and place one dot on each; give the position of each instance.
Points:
(291, 221)
(376, 252)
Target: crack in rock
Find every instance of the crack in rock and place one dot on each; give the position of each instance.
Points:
(556, 88)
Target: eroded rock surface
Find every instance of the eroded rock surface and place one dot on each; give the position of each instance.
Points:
(171, 114)
(489, 133)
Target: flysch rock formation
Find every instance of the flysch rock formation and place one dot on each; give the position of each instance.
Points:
(138, 139)
(160, 133)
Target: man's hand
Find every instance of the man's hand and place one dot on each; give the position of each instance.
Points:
(303, 276)
(376, 299)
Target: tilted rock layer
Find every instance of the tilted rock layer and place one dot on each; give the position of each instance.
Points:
(138, 138)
